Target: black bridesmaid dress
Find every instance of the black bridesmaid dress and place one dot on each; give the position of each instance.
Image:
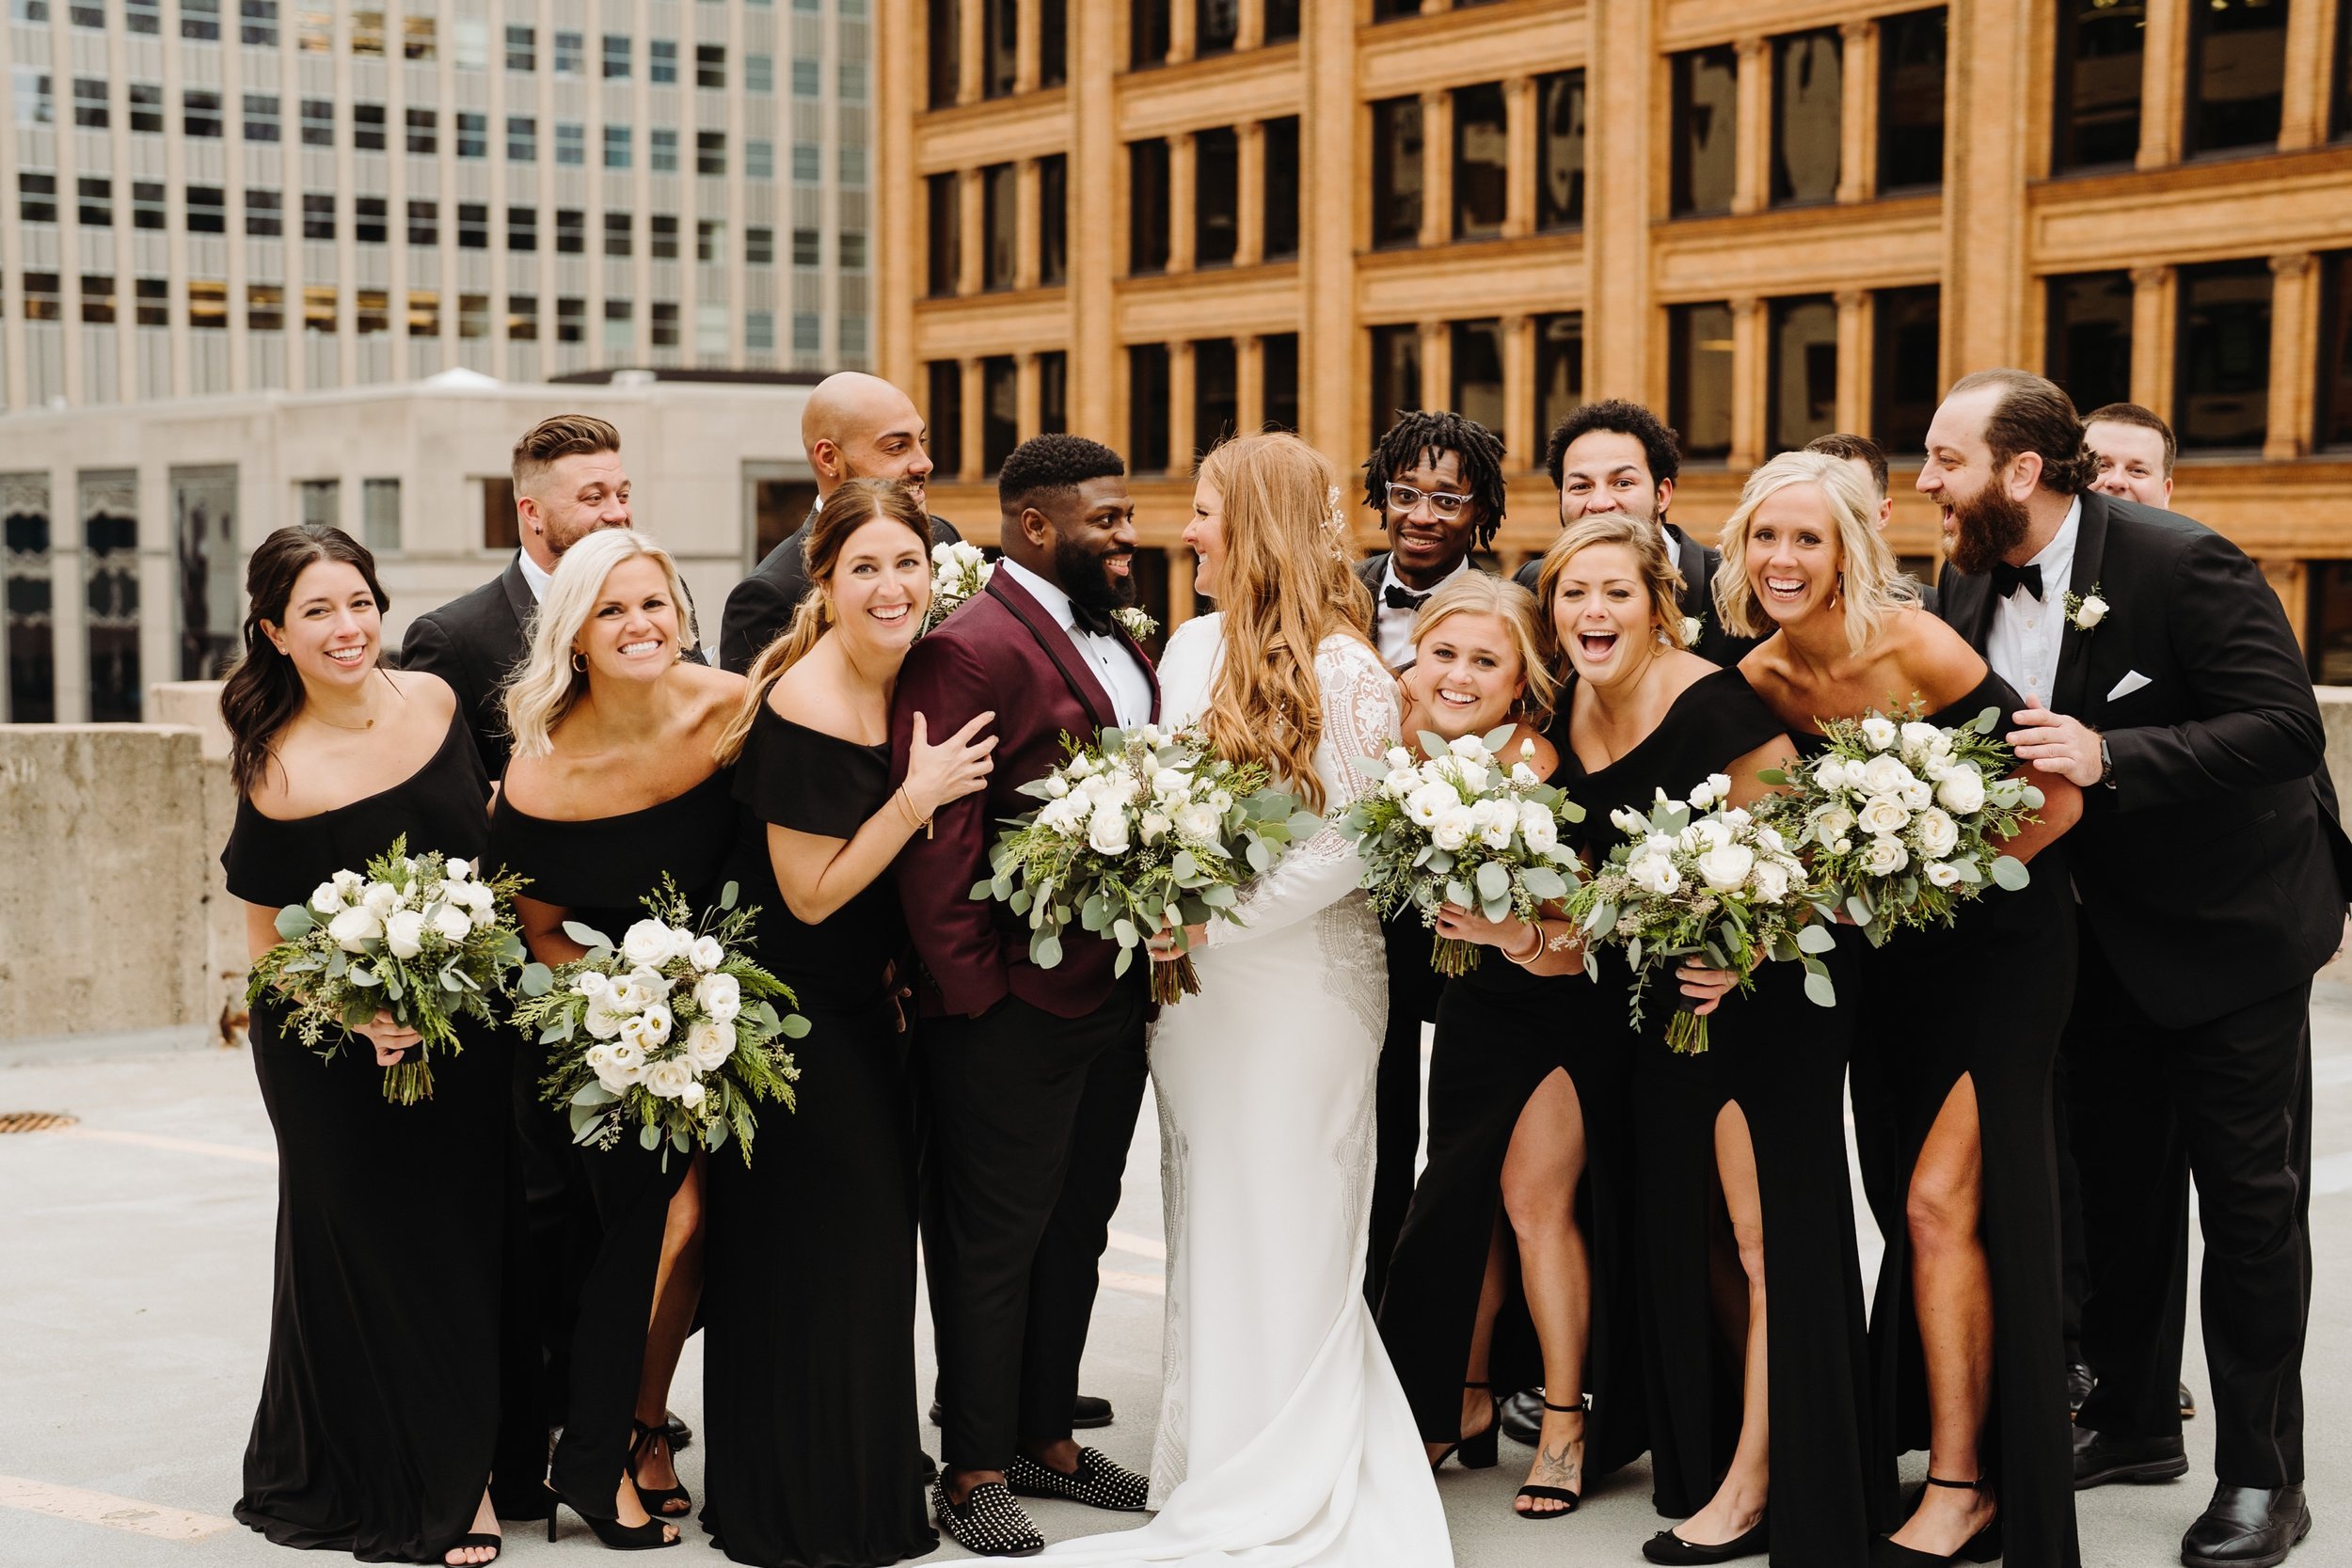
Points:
(1782, 1060)
(379, 1412)
(1500, 1032)
(599, 870)
(815, 1460)
(1917, 1036)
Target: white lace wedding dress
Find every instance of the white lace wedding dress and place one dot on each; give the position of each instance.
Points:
(1284, 1438)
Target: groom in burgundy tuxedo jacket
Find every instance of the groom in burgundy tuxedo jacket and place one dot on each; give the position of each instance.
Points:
(1035, 1075)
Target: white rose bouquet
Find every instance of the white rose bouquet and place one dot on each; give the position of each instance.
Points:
(1462, 828)
(673, 1030)
(420, 937)
(958, 571)
(1703, 878)
(1905, 819)
(1143, 829)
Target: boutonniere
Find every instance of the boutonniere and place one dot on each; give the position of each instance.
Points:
(1140, 625)
(2084, 611)
(1692, 626)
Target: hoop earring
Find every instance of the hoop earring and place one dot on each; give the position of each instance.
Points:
(580, 661)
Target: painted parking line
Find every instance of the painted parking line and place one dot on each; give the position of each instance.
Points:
(1138, 1284)
(1140, 1247)
(99, 1507)
(161, 1140)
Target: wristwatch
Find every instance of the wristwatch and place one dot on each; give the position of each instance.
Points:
(2106, 764)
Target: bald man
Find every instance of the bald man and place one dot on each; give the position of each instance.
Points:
(855, 426)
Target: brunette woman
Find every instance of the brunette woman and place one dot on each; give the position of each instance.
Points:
(816, 1460)
(615, 784)
(379, 1401)
(1965, 1341)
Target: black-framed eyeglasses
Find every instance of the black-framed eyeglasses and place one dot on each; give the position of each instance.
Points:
(1443, 503)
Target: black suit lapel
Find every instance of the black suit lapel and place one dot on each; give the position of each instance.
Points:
(2090, 549)
(1968, 606)
(1372, 571)
(1059, 648)
(518, 600)
(1698, 590)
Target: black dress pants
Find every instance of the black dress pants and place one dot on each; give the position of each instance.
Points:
(2228, 1102)
(1031, 1119)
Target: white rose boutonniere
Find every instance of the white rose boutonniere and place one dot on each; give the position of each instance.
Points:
(2084, 611)
(1137, 624)
(1692, 626)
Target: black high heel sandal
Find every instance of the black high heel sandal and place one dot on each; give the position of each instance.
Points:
(656, 1498)
(1551, 1494)
(1477, 1451)
(471, 1539)
(647, 1537)
(1983, 1546)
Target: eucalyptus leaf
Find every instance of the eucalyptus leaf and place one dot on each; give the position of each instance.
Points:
(1819, 989)
(1541, 881)
(1123, 963)
(587, 935)
(592, 1093)
(1494, 880)
(1816, 939)
(649, 1138)
(794, 1027)
(2010, 873)
(294, 922)
(537, 980)
(1045, 950)
(727, 896)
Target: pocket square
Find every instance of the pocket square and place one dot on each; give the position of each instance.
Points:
(2133, 680)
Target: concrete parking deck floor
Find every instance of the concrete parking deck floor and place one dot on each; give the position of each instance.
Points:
(135, 1293)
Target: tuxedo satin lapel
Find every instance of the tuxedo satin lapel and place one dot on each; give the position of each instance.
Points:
(1370, 572)
(1691, 561)
(1058, 647)
(1969, 610)
(519, 594)
(2090, 549)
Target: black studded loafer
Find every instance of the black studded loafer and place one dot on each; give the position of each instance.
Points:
(989, 1523)
(1099, 1482)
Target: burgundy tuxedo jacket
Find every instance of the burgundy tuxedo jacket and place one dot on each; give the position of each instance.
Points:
(1003, 652)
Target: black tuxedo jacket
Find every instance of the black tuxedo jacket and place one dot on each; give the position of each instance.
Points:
(474, 642)
(1372, 572)
(2213, 873)
(1697, 563)
(762, 604)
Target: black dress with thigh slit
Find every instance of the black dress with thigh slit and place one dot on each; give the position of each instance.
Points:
(379, 1409)
(598, 871)
(1781, 1061)
(1983, 999)
(815, 1460)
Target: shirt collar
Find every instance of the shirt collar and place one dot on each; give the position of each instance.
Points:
(1387, 575)
(1054, 601)
(537, 576)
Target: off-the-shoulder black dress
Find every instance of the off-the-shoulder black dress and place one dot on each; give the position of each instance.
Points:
(599, 870)
(379, 1405)
(815, 1460)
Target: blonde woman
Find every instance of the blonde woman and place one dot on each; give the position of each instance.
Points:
(1953, 1106)
(616, 783)
(1283, 1434)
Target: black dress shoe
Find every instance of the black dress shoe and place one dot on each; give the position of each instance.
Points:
(681, 1437)
(1098, 1481)
(2100, 1459)
(1668, 1547)
(1522, 1416)
(2080, 1381)
(2246, 1527)
(1087, 1413)
(987, 1523)
(2188, 1405)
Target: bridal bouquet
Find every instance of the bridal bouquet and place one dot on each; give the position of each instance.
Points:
(1703, 876)
(1462, 829)
(419, 937)
(1144, 829)
(1904, 820)
(958, 571)
(673, 1031)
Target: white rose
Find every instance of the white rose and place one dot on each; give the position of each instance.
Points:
(403, 933)
(1496, 834)
(1725, 866)
(691, 1096)
(1429, 802)
(356, 928)
(456, 871)
(1943, 873)
(326, 900)
(1400, 784)
(1919, 739)
(2092, 610)
(1917, 795)
(646, 944)
(1108, 831)
(1079, 766)
(453, 924)
(1833, 825)
(1772, 880)
(720, 997)
(591, 985)
(1452, 829)
(1884, 775)
(1472, 774)
(1470, 748)
(1055, 786)
(1961, 791)
(1655, 874)
(602, 1018)
(480, 898)
(1153, 827)
(707, 955)
(1936, 835)
(1523, 775)
(1830, 773)
(1172, 783)
(1884, 856)
(347, 885)
(629, 1061)
(1713, 832)
(1199, 821)
(708, 1045)
(1879, 732)
(1770, 838)
(1690, 631)
(381, 899)
(1398, 757)
(1702, 797)
(669, 1077)
(1883, 814)
(1719, 785)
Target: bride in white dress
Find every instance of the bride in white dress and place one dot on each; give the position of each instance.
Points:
(1284, 1438)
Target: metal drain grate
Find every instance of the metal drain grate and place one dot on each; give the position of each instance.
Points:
(35, 1121)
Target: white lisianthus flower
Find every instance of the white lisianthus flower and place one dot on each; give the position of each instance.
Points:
(1772, 880)
(347, 885)
(1397, 756)
(1936, 833)
(1830, 773)
(1470, 748)
(1884, 855)
(1523, 775)
(1713, 831)
(1454, 827)
(629, 1061)
(598, 1058)
(1719, 786)
(1108, 832)
(1884, 814)
(669, 1077)
(1497, 833)
(1199, 821)
(1220, 800)
(356, 928)
(453, 924)
(1629, 822)
(1769, 836)
(1400, 784)
(1737, 816)
(602, 1018)
(1725, 866)
(326, 900)
(1065, 817)
(1879, 732)
(1841, 847)
(1429, 802)
(1702, 797)
(1961, 791)
(1654, 874)
(646, 944)
(720, 997)
(707, 955)
(1658, 845)
(654, 1024)
(1943, 873)
(649, 985)
(403, 933)
(1884, 775)
(1171, 783)
(1472, 774)
(456, 871)
(381, 899)
(1833, 825)
(1055, 786)
(1919, 740)
(1918, 795)
(590, 984)
(691, 1096)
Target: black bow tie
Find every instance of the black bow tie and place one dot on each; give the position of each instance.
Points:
(2008, 579)
(1085, 617)
(1401, 598)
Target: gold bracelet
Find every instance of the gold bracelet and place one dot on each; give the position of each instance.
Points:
(915, 819)
(1540, 943)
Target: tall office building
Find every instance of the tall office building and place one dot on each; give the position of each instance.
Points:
(216, 195)
(1156, 220)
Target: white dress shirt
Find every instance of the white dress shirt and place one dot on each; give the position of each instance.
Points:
(2023, 647)
(1120, 672)
(1393, 628)
(537, 576)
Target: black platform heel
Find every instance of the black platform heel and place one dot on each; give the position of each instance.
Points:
(1561, 1495)
(1477, 1451)
(1983, 1546)
(647, 1537)
(656, 1498)
(475, 1538)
